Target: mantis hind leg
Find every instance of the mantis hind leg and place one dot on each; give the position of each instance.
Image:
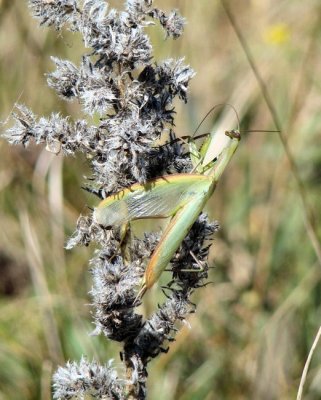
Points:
(199, 263)
(124, 234)
(124, 240)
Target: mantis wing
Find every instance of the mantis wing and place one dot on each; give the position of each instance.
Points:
(161, 197)
(173, 236)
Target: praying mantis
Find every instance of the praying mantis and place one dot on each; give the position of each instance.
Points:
(180, 197)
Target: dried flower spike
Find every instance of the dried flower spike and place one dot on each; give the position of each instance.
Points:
(118, 80)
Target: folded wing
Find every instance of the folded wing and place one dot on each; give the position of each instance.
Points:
(159, 198)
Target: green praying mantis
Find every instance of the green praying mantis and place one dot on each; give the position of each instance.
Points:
(180, 197)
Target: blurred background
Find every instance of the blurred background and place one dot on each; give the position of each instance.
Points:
(256, 322)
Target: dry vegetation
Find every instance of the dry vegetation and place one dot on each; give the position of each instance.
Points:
(256, 322)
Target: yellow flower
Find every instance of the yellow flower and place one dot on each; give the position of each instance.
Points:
(277, 34)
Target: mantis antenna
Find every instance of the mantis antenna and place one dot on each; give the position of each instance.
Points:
(238, 122)
(212, 110)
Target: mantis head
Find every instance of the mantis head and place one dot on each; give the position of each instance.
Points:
(233, 134)
(200, 158)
